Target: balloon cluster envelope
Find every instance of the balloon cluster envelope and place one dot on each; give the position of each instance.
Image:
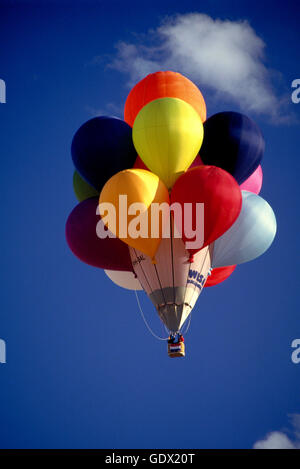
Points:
(202, 176)
(232, 141)
(123, 279)
(250, 236)
(163, 85)
(135, 191)
(218, 275)
(81, 235)
(167, 134)
(173, 284)
(220, 196)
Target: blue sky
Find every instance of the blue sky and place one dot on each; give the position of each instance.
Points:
(82, 371)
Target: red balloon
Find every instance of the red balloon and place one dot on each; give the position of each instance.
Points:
(106, 253)
(139, 164)
(218, 275)
(163, 85)
(221, 196)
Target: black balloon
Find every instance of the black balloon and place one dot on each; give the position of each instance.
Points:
(232, 142)
(102, 147)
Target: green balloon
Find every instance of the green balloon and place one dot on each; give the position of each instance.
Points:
(82, 189)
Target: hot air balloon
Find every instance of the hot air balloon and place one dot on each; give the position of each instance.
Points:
(101, 147)
(232, 141)
(132, 193)
(124, 279)
(173, 284)
(250, 236)
(218, 193)
(82, 189)
(162, 209)
(163, 85)
(218, 275)
(83, 240)
(167, 134)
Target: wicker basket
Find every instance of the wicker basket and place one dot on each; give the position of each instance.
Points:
(176, 350)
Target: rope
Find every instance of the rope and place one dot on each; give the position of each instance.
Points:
(188, 325)
(145, 321)
(141, 267)
(172, 258)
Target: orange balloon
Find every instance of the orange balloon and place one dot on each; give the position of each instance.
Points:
(163, 85)
(131, 214)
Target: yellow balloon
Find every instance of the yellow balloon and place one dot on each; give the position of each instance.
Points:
(167, 134)
(132, 193)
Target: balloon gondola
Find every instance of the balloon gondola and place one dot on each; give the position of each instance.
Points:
(168, 200)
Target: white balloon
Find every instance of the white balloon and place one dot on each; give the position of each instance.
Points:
(124, 279)
(250, 236)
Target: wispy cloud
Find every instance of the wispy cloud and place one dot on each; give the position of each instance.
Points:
(280, 440)
(226, 57)
(110, 109)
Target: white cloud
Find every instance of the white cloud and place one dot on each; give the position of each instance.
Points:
(275, 440)
(111, 109)
(279, 440)
(226, 57)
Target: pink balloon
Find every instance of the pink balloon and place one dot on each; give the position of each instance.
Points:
(254, 182)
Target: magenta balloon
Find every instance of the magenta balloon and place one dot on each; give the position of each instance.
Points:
(197, 162)
(81, 236)
(254, 182)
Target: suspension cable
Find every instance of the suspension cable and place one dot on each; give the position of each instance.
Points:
(188, 325)
(145, 321)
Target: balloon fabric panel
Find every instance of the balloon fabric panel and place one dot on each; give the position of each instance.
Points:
(163, 85)
(102, 147)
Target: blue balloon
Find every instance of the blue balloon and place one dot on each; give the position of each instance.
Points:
(250, 235)
(102, 147)
(232, 142)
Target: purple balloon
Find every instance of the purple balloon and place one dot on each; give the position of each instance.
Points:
(81, 236)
